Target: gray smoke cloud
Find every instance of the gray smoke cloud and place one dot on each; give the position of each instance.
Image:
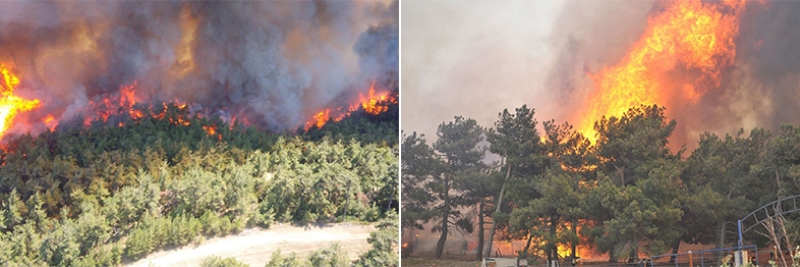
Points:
(275, 63)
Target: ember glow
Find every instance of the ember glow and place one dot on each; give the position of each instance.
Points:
(689, 35)
(11, 104)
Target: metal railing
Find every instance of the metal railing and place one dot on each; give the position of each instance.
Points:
(702, 258)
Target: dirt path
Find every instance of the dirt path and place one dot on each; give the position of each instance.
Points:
(255, 246)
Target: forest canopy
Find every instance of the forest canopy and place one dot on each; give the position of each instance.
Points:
(628, 194)
(103, 194)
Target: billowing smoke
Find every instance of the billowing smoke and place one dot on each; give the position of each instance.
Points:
(586, 39)
(760, 88)
(764, 88)
(274, 63)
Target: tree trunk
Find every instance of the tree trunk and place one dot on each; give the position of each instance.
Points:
(528, 244)
(721, 234)
(479, 249)
(574, 223)
(675, 248)
(445, 221)
(553, 232)
(497, 209)
(634, 248)
(721, 237)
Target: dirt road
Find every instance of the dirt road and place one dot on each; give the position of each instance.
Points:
(255, 246)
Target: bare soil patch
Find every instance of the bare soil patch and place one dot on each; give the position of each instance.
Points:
(255, 246)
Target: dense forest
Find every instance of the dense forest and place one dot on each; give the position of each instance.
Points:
(627, 194)
(101, 194)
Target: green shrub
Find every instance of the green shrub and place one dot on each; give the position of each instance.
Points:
(139, 243)
(332, 256)
(278, 260)
(217, 261)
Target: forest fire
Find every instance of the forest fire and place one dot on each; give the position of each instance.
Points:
(373, 104)
(268, 64)
(50, 122)
(691, 37)
(126, 106)
(11, 104)
(212, 131)
(109, 106)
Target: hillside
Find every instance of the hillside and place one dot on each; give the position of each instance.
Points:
(108, 192)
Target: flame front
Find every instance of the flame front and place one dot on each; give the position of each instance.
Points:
(373, 103)
(11, 104)
(127, 105)
(689, 33)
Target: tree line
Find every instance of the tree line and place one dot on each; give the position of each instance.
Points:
(625, 194)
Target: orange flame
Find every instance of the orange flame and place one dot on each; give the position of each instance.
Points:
(699, 36)
(128, 105)
(50, 122)
(11, 104)
(320, 118)
(127, 100)
(212, 131)
(373, 103)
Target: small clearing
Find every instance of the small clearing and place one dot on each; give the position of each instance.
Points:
(255, 246)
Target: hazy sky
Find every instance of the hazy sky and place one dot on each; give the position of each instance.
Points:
(475, 58)
(472, 58)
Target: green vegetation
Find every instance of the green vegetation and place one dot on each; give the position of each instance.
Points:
(627, 193)
(216, 261)
(105, 194)
(279, 260)
(384, 245)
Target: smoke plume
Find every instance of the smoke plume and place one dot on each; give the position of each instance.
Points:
(274, 63)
